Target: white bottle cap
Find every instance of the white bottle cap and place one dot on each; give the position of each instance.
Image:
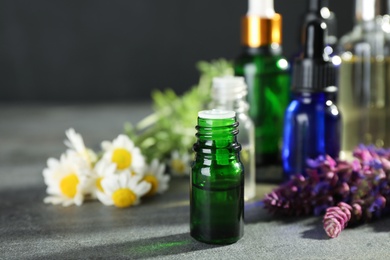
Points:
(261, 8)
(216, 114)
(228, 88)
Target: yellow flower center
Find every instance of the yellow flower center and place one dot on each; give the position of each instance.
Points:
(178, 166)
(68, 185)
(154, 184)
(123, 198)
(122, 158)
(99, 184)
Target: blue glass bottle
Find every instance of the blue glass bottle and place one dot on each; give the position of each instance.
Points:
(304, 131)
(332, 123)
(304, 134)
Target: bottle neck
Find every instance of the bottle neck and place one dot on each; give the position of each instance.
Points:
(239, 105)
(307, 97)
(217, 138)
(270, 49)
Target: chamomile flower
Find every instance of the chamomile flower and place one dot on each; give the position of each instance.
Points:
(67, 180)
(154, 174)
(180, 164)
(123, 190)
(76, 143)
(124, 154)
(102, 169)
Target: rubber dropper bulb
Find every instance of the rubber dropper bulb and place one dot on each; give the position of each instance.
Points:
(315, 41)
(313, 71)
(261, 8)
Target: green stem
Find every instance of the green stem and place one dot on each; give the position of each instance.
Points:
(147, 122)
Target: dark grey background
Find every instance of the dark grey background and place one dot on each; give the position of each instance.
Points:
(100, 50)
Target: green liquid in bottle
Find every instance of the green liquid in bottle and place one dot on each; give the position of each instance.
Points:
(266, 75)
(220, 218)
(217, 182)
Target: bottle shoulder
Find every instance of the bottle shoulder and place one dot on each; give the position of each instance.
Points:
(305, 106)
(224, 168)
(248, 57)
(332, 111)
(261, 63)
(372, 40)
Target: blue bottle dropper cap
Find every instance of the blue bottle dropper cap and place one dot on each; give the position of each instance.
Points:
(313, 71)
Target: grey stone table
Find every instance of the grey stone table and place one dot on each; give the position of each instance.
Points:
(158, 228)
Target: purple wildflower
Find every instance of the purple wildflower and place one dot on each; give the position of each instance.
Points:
(360, 189)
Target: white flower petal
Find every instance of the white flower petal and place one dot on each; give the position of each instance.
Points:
(78, 199)
(53, 200)
(52, 163)
(110, 184)
(53, 190)
(133, 182)
(104, 168)
(67, 203)
(142, 188)
(124, 177)
(123, 141)
(76, 142)
(104, 198)
(106, 145)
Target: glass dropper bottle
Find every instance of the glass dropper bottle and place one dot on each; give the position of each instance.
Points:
(266, 73)
(305, 117)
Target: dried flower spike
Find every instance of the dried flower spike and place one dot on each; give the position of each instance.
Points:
(336, 219)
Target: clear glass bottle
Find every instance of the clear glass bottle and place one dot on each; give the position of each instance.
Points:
(364, 91)
(266, 73)
(217, 180)
(229, 93)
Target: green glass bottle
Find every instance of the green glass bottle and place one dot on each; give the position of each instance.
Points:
(217, 180)
(266, 74)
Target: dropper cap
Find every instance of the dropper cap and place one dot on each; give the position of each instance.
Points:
(313, 72)
(261, 26)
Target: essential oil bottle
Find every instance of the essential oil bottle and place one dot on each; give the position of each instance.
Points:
(266, 73)
(229, 93)
(305, 117)
(217, 180)
(364, 92)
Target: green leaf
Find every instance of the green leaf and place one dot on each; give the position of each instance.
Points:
(172, 125)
